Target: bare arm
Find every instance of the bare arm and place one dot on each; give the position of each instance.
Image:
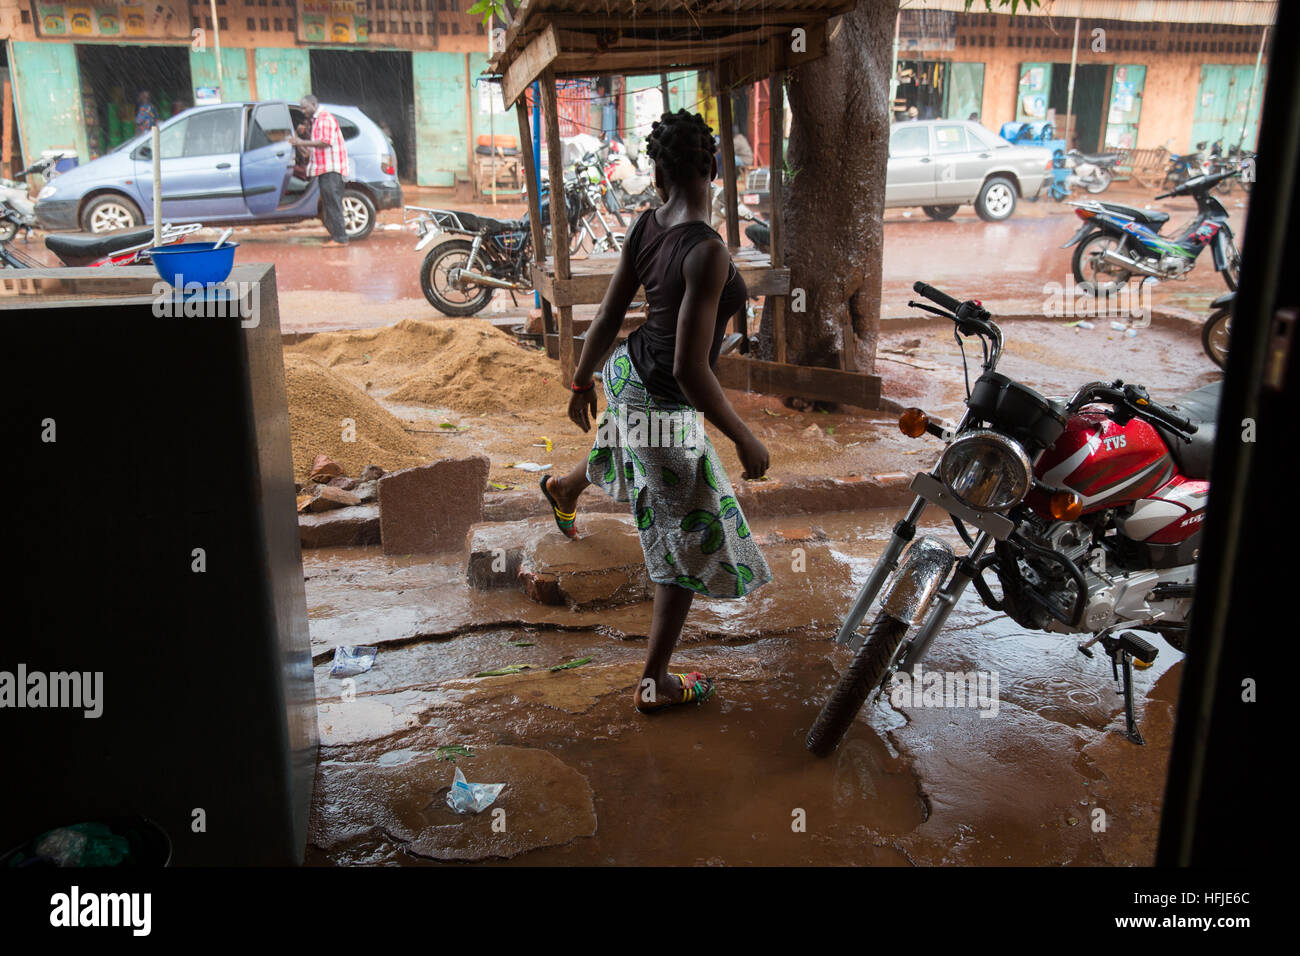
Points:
(705, 271)
(601, 335)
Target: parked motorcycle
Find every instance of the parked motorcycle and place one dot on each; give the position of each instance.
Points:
(1093, 509)
(1117, 242)
(102, 249)
(1216, 330)
(584, 240)
(1092, 172)
(1185, 166)
(17, 208)
(473, 255)
(632, 187)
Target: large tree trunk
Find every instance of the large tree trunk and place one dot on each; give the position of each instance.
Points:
(839, 148)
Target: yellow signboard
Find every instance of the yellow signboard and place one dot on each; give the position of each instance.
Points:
(333, 21)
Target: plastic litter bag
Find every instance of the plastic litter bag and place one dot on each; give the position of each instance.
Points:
(351, 661)
(466, 797)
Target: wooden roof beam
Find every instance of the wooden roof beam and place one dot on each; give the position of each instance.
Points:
(529, 65)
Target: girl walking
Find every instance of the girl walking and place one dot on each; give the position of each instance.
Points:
(651, 449)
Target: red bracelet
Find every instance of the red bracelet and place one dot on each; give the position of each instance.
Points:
(578, 388)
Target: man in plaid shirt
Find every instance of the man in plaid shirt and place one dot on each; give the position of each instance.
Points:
(329, 164)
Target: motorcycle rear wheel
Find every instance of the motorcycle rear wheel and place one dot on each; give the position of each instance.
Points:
(863, 676)
(1101, 183)
(1087, 269)
(1214, 337)
(453, 254)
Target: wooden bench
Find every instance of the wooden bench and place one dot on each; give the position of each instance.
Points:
(1144, 166)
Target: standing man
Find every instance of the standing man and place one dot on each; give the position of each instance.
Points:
(329, 164)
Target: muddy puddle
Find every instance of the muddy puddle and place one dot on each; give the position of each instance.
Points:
(589, 781)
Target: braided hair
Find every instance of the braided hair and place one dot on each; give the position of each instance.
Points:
(682, 145)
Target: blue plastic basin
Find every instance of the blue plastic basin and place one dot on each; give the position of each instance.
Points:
(186, 262)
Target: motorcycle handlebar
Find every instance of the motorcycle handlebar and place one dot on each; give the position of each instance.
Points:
(1176, 422)
(934, 295)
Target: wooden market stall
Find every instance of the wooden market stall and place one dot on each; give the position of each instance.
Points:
(736, 42)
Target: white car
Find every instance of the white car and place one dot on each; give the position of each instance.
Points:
(942, 164)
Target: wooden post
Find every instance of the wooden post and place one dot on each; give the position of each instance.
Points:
(469, 129)
(728, 167)
(8, 123)
(534, 201)
(250, 58)
(776, 189)
(559, 216)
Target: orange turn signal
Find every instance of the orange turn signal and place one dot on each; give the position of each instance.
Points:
(1084, 213)
(913, 422)
(1066, 506)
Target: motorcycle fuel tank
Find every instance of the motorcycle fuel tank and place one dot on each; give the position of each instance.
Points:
(1108, 465)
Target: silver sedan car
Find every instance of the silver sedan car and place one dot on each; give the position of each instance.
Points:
(942, 164)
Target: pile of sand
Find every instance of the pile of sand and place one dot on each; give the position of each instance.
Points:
(319, 402)
(463, 364)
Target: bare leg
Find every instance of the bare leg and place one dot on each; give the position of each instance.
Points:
(672, 604)
(565, 489)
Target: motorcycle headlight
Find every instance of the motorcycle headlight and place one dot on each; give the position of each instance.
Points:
(986, 470)
(46, 192)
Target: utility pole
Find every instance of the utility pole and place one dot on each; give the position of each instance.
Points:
(216, 43)
(1069, 96)
(1254, 83)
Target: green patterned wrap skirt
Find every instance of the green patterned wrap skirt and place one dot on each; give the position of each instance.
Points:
(658, 457)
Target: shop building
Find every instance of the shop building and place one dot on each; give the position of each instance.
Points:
(1145, 74)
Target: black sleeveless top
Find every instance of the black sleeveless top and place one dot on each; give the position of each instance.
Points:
(657, 253)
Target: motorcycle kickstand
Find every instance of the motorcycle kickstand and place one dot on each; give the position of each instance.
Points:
(1123, 650)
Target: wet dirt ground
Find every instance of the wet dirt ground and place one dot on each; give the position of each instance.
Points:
(919, 362)
(1007, 264)
(1045, 779)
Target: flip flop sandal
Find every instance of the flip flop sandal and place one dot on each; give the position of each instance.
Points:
(696, 689)
(563, 519)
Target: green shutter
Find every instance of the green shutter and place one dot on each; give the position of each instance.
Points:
(283, 73)
(440, 121)
(1033, 91)
(47, 87)
(1124, 109)
(234, 72)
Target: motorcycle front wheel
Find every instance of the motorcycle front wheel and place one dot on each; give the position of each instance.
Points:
(1232, 272)
(1103, 277)
(1214, 337)
(437, 288)
(863, 676)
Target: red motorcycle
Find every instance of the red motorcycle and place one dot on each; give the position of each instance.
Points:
(107, 249)
(1088, 513)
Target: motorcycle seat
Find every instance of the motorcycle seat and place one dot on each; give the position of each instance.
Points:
(1201, 407)
(490, 226)
(1150, 217)
(95, 246)
(1100, 159)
